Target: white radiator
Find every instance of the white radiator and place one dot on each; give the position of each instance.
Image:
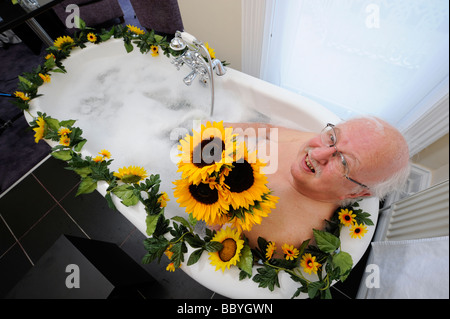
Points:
(423, 215)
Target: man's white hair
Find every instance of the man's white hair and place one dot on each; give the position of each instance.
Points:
(395, 182)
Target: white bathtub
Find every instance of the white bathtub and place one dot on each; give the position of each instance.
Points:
(129, 103)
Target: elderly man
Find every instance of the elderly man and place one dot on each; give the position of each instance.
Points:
(317, 173)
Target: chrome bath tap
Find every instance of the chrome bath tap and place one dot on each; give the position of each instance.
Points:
(194, 57)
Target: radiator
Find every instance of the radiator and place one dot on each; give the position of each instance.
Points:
(423, 215)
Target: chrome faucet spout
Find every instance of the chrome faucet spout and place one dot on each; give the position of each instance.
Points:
(197, 57)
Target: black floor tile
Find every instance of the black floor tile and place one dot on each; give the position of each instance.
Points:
(42, 236)
(56, 178)
(174, 285)
(13, 266)
(24, 205)
(6, 238)
(92, 214)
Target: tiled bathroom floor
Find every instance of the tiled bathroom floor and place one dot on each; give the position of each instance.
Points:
(43, 206)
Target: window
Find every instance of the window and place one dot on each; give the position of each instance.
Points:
(384, 58)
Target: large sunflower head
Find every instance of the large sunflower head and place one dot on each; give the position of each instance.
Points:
(131, 174)
(203, 200)
(245, 181)
(204, 153)
(230, 253)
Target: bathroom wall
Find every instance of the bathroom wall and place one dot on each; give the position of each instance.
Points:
(436, 159)
(217, 22)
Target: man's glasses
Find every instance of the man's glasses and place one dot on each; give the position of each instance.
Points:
(329, 138)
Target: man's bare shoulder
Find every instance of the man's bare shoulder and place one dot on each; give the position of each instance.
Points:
(269, 131)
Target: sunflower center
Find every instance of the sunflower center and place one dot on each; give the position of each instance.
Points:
(229, 249)
(357, 230)
(208, 152)
(204, 194)
(240, 178)
(347, 218)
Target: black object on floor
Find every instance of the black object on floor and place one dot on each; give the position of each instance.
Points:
(79, 268)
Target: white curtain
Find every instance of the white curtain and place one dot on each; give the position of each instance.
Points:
(384, 58)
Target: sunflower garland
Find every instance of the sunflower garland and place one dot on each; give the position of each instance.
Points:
(225, 186)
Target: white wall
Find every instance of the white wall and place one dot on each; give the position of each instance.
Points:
(217, 22)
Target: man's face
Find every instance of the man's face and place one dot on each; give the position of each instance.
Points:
(318, 172)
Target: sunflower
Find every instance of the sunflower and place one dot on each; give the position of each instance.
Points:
(154, 50)
(45, 77)
(163, 199)
(135, 30)
(204, 153)
(98, 159)
(105, 153)
(290, 253)
(21, 95)
(244, 219)
(64, 131)
(50, 56)
(63, 42)
(211, 52)
(270, 250)
(309, 264)
(91, 37)
(39, 131)
(245, 181)
(204, 201)
(346, 217)
(170, 267)
(358, 231)
(64, 140)
(230, 253)
(131, 174)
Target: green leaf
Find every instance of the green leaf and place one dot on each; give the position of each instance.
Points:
(326, 242)
(344, 261)
(63, 155)
(363, 218)
(245, 262)
(126, 194)
(313, 288)
(83, 171)
(178, 249)
(52, 123)
(67, 123)
(213, 246)
(195, 256)
(110, 201)
(79, 146)
(151, 222)
(182, 221)
(128, 46)
(87, 185)
(267, 277)
(155, 247)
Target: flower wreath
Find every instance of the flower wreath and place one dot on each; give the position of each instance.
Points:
(224, 187)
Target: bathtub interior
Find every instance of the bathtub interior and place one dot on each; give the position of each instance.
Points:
(137, 107)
